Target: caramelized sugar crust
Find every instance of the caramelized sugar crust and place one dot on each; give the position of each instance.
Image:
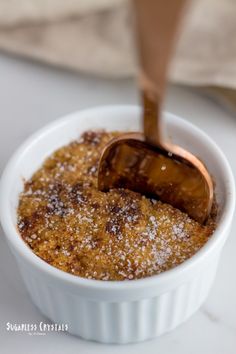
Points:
(119, 235)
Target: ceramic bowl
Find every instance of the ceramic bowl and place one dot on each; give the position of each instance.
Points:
(116, 311)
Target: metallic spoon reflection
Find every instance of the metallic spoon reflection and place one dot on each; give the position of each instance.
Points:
(171, 175)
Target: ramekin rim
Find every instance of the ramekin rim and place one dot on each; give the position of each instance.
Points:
(23, 249)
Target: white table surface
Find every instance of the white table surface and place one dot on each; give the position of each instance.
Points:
(31, 95)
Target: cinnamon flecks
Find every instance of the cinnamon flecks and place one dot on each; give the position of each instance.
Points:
(118, 235)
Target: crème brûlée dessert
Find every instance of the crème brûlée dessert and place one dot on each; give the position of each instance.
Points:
(117, 235)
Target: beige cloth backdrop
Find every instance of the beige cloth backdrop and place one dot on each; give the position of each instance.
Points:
(95, 36)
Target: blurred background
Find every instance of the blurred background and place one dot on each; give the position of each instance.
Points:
(95, 37)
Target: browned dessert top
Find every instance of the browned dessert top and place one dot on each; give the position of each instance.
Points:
(117, 235)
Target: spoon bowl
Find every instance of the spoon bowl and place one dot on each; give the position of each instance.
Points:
(172, 175)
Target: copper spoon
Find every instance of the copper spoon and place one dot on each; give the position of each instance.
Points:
(144, 162)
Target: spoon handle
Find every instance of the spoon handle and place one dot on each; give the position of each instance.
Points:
(156, 27)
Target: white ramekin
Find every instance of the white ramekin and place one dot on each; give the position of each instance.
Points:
(106, 311)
